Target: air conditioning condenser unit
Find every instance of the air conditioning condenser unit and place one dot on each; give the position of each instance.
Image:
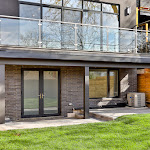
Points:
(136, 99)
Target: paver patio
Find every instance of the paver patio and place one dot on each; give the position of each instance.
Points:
(106, 112)
(117, 112)
(45, 123)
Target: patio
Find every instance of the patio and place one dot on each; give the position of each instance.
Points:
(45, 123)
(108, 114)
(97, 115)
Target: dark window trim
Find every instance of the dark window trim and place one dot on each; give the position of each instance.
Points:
(22, 92)
(108, 84)
(62, 7)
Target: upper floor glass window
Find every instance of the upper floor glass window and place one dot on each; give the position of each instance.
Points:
(52, 2)
(51, 14)
(30, 11)
(76, 11)
(93, 18)
(110, 20)
(73, 3)
(92, 5)
(110, 8)
(72, 16)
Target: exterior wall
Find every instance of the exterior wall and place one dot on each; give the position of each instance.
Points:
(13, 92)
(11, 7)
(71, 89)
(128, 82)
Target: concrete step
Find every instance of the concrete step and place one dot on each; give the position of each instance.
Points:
(79, 116)
(100, 117)
(110, 99)
(7, 120)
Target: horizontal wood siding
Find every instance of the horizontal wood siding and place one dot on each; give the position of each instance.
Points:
(144, 83)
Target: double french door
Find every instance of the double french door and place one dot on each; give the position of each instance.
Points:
(40, 92)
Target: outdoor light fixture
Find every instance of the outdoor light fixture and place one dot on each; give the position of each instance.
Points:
(128, 10)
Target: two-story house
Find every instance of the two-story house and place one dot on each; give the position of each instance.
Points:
(56, 55)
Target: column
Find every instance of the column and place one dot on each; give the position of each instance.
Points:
(86, 93)
(2, 94)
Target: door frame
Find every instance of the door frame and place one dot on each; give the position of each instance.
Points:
(22, 92)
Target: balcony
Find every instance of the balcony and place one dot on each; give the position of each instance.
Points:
(45, 34)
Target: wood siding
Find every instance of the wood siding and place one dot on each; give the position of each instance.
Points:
(144, 83)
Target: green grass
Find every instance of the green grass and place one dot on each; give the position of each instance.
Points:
(125, 133)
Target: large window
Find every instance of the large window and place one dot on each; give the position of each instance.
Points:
(103, 83)
(62, 35)
(52, 2)
(72, 16)
(51, 14)
(30, 11)
(93, 18)
(73, 3)
(76, 11)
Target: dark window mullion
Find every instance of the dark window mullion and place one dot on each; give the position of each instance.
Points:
(41, 10)
(110, 13)
(30, 3)
(41, 89)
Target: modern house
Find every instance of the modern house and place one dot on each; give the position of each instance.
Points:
(56, 55)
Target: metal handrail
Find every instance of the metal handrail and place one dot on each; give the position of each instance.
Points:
(32, 19)
(40, 21)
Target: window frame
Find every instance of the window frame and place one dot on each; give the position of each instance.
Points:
(62, 7)
(28, 4)
(108, 81)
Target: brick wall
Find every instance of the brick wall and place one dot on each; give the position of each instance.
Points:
(71, 89)
(13, 91)
(128, 82)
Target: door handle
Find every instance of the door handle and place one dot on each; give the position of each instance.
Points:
(40, 96)
(43, 95)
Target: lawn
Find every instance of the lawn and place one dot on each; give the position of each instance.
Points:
(125, 133)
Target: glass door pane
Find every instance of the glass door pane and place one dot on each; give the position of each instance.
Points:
(50, 92)
(113, 77)
(31, 92)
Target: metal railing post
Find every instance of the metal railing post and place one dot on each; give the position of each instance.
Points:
(136, 45)
(40, 34)
(107, 40)
(76, 38)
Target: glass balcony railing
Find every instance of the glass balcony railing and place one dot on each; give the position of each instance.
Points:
(34, 33)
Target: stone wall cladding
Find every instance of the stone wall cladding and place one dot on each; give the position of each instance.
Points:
(13, 91)
(71, 89)
(128, 82)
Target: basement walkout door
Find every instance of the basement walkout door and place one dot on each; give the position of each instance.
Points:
(40, 93)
